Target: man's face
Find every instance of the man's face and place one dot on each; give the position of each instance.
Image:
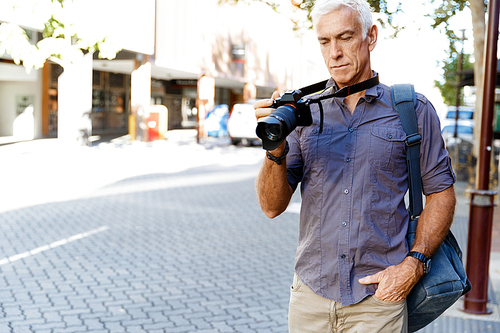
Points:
(346, 53)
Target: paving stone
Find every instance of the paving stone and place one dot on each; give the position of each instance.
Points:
(72, 320)
(47, 326)
(181, 329)
(74, 312)
(12, 311)
(241, 321)
(4, 328)
(137, 322)
(244, 329)
(93, 324)
(223, 327)
(198, 315)
(114, 327)
(135, 329)
(21, 329)
(160, 326)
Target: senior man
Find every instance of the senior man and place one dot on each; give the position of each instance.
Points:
(353, 267)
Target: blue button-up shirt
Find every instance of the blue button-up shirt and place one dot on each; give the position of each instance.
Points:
(353, 179)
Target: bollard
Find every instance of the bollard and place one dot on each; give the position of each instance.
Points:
(478, 250)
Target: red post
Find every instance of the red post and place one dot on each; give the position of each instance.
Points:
(481, 207)
(478, 251)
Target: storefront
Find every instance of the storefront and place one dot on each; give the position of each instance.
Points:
(110, 103)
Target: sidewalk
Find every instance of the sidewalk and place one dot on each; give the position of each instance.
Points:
(143, 205)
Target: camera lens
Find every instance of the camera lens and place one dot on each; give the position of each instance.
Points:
(274, 128)
(273, 132)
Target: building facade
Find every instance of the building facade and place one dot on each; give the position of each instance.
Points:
(187, 55)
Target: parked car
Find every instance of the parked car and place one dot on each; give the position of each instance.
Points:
(465, 116)
(465, 133)
(468, 113)
(242, 124)
(216, 121)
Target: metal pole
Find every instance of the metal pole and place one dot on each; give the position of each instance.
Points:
(490, 72)
(459, 79)
(481, 207)
(456, 157)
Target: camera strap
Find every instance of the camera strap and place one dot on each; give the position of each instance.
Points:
(313, 88)
(344, 92)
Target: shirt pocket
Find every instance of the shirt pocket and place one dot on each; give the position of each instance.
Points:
(309, 144)
(387, 147)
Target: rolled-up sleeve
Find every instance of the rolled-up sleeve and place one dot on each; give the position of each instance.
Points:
(435, 164)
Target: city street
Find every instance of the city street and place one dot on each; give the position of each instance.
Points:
(151, 237)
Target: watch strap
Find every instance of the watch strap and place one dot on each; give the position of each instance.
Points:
(421, 257)
(278, 159)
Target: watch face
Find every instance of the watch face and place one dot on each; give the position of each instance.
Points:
(427, 266)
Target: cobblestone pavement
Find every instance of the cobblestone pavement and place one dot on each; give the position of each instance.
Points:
(163, 237)
(166, 248)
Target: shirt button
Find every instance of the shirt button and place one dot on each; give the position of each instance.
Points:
(389, 136)
(346, 191)
(351, 129)
(315, 131)
(343, 256)
(344, 224)
(348, 160)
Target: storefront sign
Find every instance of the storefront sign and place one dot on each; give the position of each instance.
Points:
(189, 83)
(238, 53)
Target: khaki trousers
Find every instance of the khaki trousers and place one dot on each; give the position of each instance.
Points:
(312, 313)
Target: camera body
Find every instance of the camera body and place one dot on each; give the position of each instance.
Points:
(294, 98)
(291, 111)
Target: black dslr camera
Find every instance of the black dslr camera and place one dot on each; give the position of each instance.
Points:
(291, 111)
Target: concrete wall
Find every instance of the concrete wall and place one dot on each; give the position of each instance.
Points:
(182, 30)
(197, 36)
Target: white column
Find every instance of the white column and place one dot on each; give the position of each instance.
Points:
(141, 100)
(74, 125)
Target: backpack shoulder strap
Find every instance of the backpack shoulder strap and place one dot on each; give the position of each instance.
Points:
(404, 101)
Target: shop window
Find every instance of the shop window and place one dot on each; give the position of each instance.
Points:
(110, 109)
(96, 78)
(116, 80)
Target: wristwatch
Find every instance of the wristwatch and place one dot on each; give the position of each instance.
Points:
(278, 159)
(423, 258)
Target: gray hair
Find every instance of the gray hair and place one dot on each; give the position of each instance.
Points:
(323, 7)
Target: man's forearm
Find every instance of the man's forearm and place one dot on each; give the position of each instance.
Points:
(273, 191)
(435, 221)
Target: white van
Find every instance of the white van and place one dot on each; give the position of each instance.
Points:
(242, 124)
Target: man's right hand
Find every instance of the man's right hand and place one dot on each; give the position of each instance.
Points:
(263, 109)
